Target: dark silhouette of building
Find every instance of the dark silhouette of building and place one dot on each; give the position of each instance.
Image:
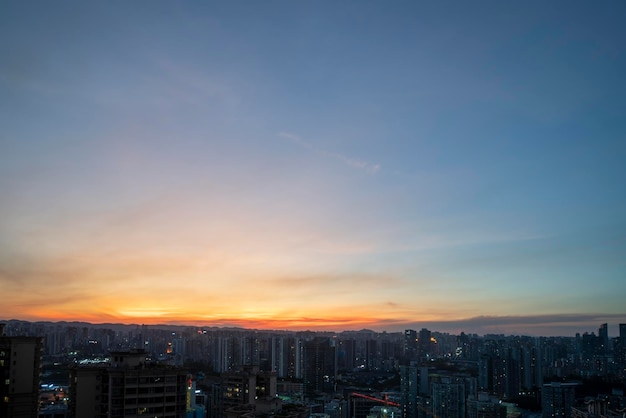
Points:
(485, 406)
(424, 344)
(346, 355)
(620, 350)
(409, 390)
(20, 373)
(557, 399)
(284, 356)
(603, 339)
(598, 407)
(248, 386)
(320, 366)
(448, 398)
(410, 344)
(130, 387)
(372, 354)
(590, 345)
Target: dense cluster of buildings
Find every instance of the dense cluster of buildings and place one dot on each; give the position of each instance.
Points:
(172, 372)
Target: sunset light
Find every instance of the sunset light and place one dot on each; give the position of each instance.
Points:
(314, 165)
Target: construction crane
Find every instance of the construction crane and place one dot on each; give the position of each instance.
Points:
(385, 410)
(385, 399)
(387, 402)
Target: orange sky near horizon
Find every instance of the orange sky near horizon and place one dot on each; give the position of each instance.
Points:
(314, 165)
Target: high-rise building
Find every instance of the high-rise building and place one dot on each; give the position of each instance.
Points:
(371, 354)
(248, 386)
(285, 356)
(250, 350)
(130, 387)
(409, 390)
(448, 398)
(346, 355)
(485, 373)
(620, 349)
(424, 343)
(424, 386)
(320, 366)
(279, 351)
(505, 375)
(485, 406)
(410, 344)
(557, 399)
(590, 345)
(20, 372)
(462, 346)
(530, 362)
(603, 339)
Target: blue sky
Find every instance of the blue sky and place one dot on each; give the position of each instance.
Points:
(315, 164)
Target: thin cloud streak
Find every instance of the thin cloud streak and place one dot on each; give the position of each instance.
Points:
(372, 168)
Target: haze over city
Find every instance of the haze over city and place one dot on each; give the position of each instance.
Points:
(315, 165)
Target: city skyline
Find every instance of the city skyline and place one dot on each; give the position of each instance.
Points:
(314, 165)
(481, 326)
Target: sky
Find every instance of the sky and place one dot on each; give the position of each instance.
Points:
(315, 165)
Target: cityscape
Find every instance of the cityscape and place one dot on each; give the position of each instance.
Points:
(80, 370)
(312, 209)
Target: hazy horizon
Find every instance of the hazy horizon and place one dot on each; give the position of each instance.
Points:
(479, 325)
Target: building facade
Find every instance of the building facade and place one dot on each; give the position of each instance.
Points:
(20, 375)
(557, 399)
(320, 366)
(130, 387)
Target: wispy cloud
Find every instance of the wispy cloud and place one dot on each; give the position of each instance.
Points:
(338, 282)
(349, 161)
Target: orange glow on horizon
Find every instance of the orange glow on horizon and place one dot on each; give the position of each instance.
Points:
(350, 320)
(340, 323)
